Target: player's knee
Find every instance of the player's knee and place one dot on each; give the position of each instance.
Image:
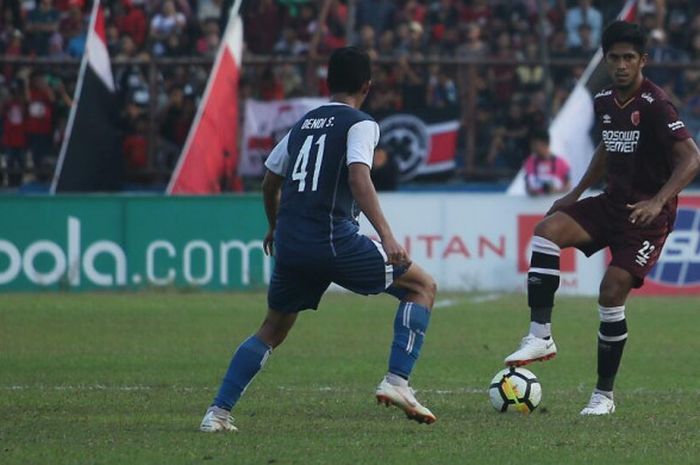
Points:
(554, 228)
(432, 289)
(429, 289)
(546, 229)
(613, 292)
(274, 330)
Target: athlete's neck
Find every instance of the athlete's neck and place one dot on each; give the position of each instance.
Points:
(353, 100)
(627, 92)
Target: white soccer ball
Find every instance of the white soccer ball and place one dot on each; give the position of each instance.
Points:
(515, 390)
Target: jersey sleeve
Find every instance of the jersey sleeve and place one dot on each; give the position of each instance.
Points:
(278, 159)
(667, 124)
(362, 139)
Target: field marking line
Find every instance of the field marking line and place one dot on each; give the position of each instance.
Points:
(478, 299)
(312, 389)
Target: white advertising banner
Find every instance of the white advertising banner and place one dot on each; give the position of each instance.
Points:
(265, 124)
(480, 242)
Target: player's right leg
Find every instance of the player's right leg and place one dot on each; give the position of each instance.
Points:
(291, 290)
(247, 361)
(552, 234)
(417, 290)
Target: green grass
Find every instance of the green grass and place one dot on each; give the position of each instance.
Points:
(125, 379)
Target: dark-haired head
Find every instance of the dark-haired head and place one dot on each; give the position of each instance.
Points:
(348, 70)
(622, 31)
(541, 134)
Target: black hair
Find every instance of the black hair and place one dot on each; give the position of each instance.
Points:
(622, 31)
(348, 70)
(540, 134)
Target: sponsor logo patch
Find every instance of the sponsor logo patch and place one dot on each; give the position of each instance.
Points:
(620, 141)
(676, 125)
(635, 118)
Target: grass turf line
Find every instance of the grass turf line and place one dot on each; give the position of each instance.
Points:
(125, 378)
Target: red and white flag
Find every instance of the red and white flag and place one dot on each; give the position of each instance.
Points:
(209, 160)
(91, 158)
(570, 129)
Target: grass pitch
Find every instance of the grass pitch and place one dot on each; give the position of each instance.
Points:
(125, 379)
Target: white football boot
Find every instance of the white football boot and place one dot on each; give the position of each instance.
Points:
(532, 349)
(217, 419)
(404, 398)
(599, 405)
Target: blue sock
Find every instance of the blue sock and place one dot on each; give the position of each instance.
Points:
(410, 325)
(249, 358)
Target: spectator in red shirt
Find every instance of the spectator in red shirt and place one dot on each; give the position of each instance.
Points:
(13, 49)
(477, 11)
(270, 86)
(261, 17)
(40, 99)
(133, 23)
(135, 147)
(14, 140)
(72, 23)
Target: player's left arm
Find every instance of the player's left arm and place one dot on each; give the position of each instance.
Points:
(686, 165)
(271, 186)
(277, 163)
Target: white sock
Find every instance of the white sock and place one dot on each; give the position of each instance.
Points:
(541, 330)
(608, 394)
(396, 380)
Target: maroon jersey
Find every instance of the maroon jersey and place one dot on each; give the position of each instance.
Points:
(638, 135)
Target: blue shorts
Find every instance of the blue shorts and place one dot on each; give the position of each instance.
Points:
(359, 265)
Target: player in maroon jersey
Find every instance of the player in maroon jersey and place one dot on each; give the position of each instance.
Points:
(649, 157)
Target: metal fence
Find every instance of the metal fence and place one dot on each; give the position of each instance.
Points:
(160, 75)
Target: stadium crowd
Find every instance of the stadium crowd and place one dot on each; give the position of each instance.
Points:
(511, 95)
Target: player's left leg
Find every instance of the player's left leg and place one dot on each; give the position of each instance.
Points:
(361, 266)
(612, 335)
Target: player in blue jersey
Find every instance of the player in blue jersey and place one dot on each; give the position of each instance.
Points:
(322, 168)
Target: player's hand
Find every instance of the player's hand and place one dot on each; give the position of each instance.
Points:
(644, 212)
(395, 253)
(569, 199)
(269, 242)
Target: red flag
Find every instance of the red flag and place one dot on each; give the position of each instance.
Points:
(209, 160)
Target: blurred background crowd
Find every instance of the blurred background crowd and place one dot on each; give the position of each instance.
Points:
(507, 66)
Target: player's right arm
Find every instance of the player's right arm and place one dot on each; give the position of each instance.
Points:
(366, 197)
(594, 172)
(361, 141)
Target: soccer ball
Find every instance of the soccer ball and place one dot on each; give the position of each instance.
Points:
(515, 389)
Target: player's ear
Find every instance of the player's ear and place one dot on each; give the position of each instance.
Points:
(365, 87)
(643, 60)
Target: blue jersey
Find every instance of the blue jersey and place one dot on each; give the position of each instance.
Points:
(316, 206)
